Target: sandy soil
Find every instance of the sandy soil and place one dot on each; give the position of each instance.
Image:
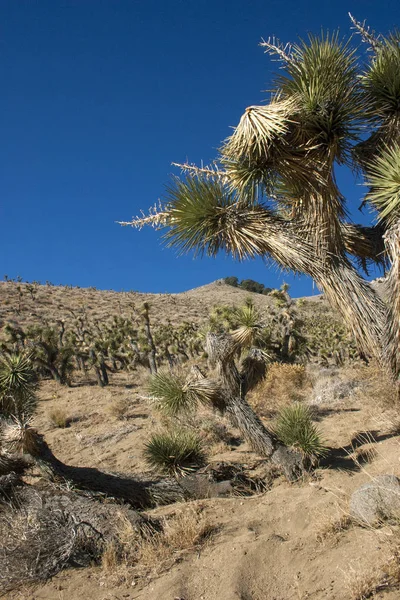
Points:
(279, 545)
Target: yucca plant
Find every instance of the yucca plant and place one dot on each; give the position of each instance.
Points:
(294, 428)
(174, 393)
(175, 452)
(250, 326)
(273, 190)
(18, 384)
(167, 389)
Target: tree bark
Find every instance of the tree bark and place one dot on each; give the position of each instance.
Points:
(150, 341)
(392, 294)
(221, 350)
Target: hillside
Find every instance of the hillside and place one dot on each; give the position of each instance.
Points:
(52, 303)
(271, 539)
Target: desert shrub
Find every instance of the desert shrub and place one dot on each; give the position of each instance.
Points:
(174, 452)
(379, 385)
(186, 531)
(155, 550)
(283, 384)
(233, 281)
(18, 383)
(119, 408)
(328, 341)
(168, 389)
(215, 431)
(37, 544)
(252, 286)
(295, 428)
(58, 417)
(248, 284)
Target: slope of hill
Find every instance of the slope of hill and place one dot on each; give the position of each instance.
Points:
(26, 304)
(282, 541)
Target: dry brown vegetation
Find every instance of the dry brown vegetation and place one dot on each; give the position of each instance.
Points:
(283, 384)
(286, 541)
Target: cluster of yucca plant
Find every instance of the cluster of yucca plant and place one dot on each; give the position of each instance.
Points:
(295, 428)
(176, 452)
(18, 384)
(327, 341)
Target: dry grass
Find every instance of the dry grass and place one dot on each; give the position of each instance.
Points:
(363, 585)
(187, 531)
(119, 408)
(58, 417)
(151, 552)
(331, 526)
(283, 384)
(383, 576)
(378, 385)
(365, 454)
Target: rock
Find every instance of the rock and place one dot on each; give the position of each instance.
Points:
(329, 391)
(376, 500)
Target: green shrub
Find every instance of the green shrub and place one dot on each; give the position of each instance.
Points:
(176, 452)
(168, 390)
(59, 418)
(18, 383)
(294, 427)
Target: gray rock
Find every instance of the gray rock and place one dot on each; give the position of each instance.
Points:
(377, 500)
(330, 391)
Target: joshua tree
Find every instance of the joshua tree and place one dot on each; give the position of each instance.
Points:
(49, 355)
(273, 190)
(147, 330)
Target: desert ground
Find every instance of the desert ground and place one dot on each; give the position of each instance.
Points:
(267, 538)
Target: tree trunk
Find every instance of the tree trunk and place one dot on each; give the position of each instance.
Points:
(54, 372)
(221, 350)
(150, 341)
(363, 311)
(392, 296)
(103, 371)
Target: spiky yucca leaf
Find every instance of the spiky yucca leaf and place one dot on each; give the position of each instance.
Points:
(322, 78)
(204, 217)
(384, 182)
(250, 326)
(18, 383)
(19, 437)
(176, 453)
(17, 373)
(168, 389)
(294, 427)
(258, 128)
(175, 394)
(381, 81)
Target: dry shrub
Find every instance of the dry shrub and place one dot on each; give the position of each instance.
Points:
(58, 417)
(283, 384)
(363, 585)
(379, 386)
(187, 531)
(110, 560)
(136, 553)
(215, 435)
(37, 543)
(331, 526)
(119, 408)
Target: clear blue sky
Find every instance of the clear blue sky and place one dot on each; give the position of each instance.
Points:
(99, 97)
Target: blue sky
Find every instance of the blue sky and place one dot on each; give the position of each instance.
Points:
(99, 97)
